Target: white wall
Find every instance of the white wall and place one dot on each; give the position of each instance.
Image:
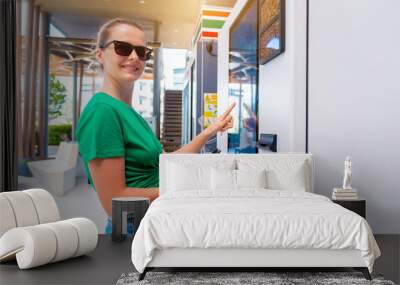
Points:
(354, 101)
(282, 89)
(354, 96)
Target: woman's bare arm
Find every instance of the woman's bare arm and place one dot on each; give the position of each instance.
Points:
(108, 176)
(196, 144)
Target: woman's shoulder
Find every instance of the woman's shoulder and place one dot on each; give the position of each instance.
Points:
(100, 104)
(98, 113)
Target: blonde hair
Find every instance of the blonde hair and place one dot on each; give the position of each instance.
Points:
(104, 31)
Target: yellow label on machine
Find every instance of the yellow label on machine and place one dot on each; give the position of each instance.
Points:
(210, 108)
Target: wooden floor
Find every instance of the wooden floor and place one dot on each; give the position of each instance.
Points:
(111, 259)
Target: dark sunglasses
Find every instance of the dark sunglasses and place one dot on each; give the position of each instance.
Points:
(125, 49)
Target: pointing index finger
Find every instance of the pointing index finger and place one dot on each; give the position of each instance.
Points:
(226, 113)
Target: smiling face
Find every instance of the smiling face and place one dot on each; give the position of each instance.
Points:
(122, 68)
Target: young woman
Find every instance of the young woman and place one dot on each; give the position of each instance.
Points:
(119, 149)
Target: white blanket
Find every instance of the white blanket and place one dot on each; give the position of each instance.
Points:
(250, 218)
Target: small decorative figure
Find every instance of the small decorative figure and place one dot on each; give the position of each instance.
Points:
(347, 173)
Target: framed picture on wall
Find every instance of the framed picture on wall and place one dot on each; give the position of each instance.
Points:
(271, 29)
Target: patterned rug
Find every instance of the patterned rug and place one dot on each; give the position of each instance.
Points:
(269, 278)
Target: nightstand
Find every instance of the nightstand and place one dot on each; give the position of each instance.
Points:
(358, 206)
(127, 212)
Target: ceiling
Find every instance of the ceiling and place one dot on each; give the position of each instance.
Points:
(176, 19)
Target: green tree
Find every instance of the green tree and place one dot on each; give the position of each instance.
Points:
(57, 96)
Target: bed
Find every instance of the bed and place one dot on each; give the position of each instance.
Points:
(246, 211)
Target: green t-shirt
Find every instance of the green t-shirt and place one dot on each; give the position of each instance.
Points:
(109, 127)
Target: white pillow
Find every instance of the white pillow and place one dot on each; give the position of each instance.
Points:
(223, 179)
(181, 177)
(288, 178)
(251, 178)
(227, 179)
(282, 174)
(187, 175)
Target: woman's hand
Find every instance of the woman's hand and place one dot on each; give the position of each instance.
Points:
(223, 122)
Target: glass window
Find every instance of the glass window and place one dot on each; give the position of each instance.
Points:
(243, 81)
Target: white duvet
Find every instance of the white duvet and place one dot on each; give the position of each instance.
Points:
(252, 218)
